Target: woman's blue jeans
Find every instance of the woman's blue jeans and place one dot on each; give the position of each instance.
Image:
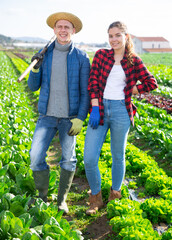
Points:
(46, 129)
(117, 120)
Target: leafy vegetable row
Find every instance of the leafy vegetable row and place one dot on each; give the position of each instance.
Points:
(105, 164)
(153, 125)
(162, 73)
(157, 58)
(163, 91)
(157, 100)
(17, 219)
(132, 220)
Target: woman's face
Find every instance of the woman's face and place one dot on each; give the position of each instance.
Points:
(117, 38)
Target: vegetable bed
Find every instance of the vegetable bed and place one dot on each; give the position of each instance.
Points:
(129, 219)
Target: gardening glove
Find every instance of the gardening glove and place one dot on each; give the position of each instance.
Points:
(94, 117)
(76, 127)
(35, 70)
(39, 57)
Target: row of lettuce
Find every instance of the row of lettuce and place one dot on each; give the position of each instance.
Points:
(16, 178)
(153, 125)
(17, 219)
(150, 181)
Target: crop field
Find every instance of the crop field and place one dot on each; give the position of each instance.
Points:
(145, 210)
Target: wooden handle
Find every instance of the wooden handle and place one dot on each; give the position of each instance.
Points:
(27, 70)
(35, 61)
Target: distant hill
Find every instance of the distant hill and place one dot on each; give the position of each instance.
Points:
(9, 40)
(5, 39)
(31, 39)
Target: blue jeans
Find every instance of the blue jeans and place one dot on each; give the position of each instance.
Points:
(117, 120)
(46, 129)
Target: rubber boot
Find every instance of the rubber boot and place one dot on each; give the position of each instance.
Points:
(114, 194)
(96, 203)
(41, 179)
(66, 178)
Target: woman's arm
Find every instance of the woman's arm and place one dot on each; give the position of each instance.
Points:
(95, 102)
(148, 81)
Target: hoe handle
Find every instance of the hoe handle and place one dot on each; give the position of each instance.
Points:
(35, 61)
(27, 70)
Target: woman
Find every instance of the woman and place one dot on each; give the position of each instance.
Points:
(112, 82)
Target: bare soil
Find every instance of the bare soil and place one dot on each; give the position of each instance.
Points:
(98, 229)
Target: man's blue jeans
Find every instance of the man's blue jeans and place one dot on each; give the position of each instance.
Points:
(46, 129)
(117, 120)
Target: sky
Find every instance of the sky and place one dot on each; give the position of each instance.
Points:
(144, 18)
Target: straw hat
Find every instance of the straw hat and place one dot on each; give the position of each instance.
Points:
(53, 18)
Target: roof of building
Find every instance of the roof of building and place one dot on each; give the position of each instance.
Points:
(158, 50)
(132, 36)
(152, 39)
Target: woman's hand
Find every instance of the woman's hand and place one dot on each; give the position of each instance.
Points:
(135, 91)
(94, 117)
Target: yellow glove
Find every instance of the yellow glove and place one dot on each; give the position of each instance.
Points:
(76, 127)
(35, 70)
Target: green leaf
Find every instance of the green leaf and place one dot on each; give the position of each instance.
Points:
(16, 226)
(5, 223)
(18, 120)
(26, 220)
(12, 169)
(53, 179)
(30, 236)
(51, 221)
(3, 170)
(53, 229)
(76, 234)
(16, 208)
(6, 200)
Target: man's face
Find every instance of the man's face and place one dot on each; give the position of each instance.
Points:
(63, 29)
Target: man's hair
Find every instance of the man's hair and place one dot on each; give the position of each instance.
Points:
(129, 43)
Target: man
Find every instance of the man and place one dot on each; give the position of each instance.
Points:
(62, 77)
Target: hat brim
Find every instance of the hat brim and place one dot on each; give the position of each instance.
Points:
(53, 18)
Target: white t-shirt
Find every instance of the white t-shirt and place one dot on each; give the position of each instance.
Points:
(115, 84)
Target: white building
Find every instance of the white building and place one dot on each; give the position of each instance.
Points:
(151, 44)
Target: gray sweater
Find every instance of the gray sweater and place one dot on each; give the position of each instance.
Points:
(58, 104)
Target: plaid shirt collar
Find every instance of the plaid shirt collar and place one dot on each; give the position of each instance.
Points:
(111, 55)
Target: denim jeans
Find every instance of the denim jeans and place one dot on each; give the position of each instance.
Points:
(117, 120)
(46, 129)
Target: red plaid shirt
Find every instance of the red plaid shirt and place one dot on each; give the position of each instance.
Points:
(102, 64)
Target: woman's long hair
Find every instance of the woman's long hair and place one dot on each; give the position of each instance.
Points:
(129, 43)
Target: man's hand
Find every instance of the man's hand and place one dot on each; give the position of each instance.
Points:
(94, 117)
(40, 58)
(76, 127)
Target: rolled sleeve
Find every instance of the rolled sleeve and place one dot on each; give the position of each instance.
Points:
(148, 81)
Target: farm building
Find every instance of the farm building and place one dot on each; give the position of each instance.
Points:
(151, 44)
